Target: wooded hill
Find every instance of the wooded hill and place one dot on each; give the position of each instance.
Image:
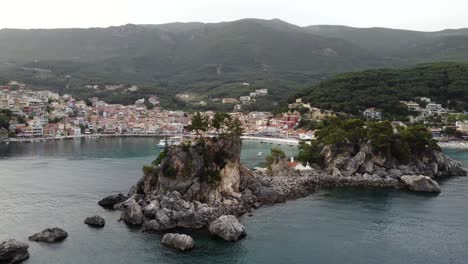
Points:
(211, 60)
(444, 83)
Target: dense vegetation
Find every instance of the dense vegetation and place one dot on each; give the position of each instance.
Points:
(276, 154)
(5, 116)
(401, 143)
(352, 93)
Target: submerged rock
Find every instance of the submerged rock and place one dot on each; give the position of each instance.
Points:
(132, 213)
(110, 201)
(178, 241)
(95, 221)
(420, 183)
(228, 227)
(12, 251)
(50, 235)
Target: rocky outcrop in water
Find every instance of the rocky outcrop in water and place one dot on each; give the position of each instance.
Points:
(205, 186)
(228, 228)
(420, 183)
(178, 241)
(50, 235)
(132, 213)
(203, 172)
(364, 167)
(95, 221)
(195, 185)
(112, 200)
(12, 251)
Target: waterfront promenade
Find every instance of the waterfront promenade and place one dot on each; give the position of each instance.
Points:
(271, 140)
(454, 145)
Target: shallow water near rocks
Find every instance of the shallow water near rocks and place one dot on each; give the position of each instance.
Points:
(59, 183)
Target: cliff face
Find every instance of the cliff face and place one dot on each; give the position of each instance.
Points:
(195, 185)
(203, 172)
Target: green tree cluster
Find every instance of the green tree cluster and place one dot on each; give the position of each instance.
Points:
(5, 116)
(401, 142)
(276, 154)
(223, 124)
(310, 152)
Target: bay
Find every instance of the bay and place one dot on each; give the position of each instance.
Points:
(59, 183)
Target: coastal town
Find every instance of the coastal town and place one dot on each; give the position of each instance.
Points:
(38, 115)
(46, 115)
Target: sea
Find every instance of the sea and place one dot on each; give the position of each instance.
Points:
(58, 183)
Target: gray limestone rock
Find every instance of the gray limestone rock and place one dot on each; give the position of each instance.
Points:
(228, 228)
(12, 251)
(132, 213)
(50, 235)
(95, 221)
(420, 183)
(179, 241)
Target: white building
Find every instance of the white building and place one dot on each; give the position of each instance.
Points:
(140, 101)
(245, 99)
(435, 109)
(425, 99)
(462, 126)
(372, 113)
(412, 106)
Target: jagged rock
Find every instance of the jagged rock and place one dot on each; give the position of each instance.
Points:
(95, 221)
(151, 225)
(132, 213)
(151, 209)
(227, 227)
(112, 200)
(341, 160)
(49, 235)
(395, 173)
(178, 241)
(12, 251)
(350, 167)
(360, 158)
(282, 169)
(165, 220)
(367, 167)
(447, 166)
(336, 172)
(420, 183)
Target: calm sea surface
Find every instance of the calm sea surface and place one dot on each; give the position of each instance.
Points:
(59, 183)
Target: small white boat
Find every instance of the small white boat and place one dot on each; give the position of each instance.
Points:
(172, 141)
(259, 154)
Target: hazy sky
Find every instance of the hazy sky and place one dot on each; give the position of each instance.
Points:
(425, 15)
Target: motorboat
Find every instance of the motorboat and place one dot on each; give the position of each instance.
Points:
(172, 141)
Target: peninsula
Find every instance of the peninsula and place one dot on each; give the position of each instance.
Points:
(202, 184)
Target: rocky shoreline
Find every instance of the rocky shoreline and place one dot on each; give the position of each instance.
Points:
(177, 193)
(204, 186)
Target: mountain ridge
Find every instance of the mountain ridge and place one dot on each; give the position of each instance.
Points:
(204, 57)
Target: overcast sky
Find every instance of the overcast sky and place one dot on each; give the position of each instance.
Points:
(427, 15)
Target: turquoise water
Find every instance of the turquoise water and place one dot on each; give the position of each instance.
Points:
(58, 184)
